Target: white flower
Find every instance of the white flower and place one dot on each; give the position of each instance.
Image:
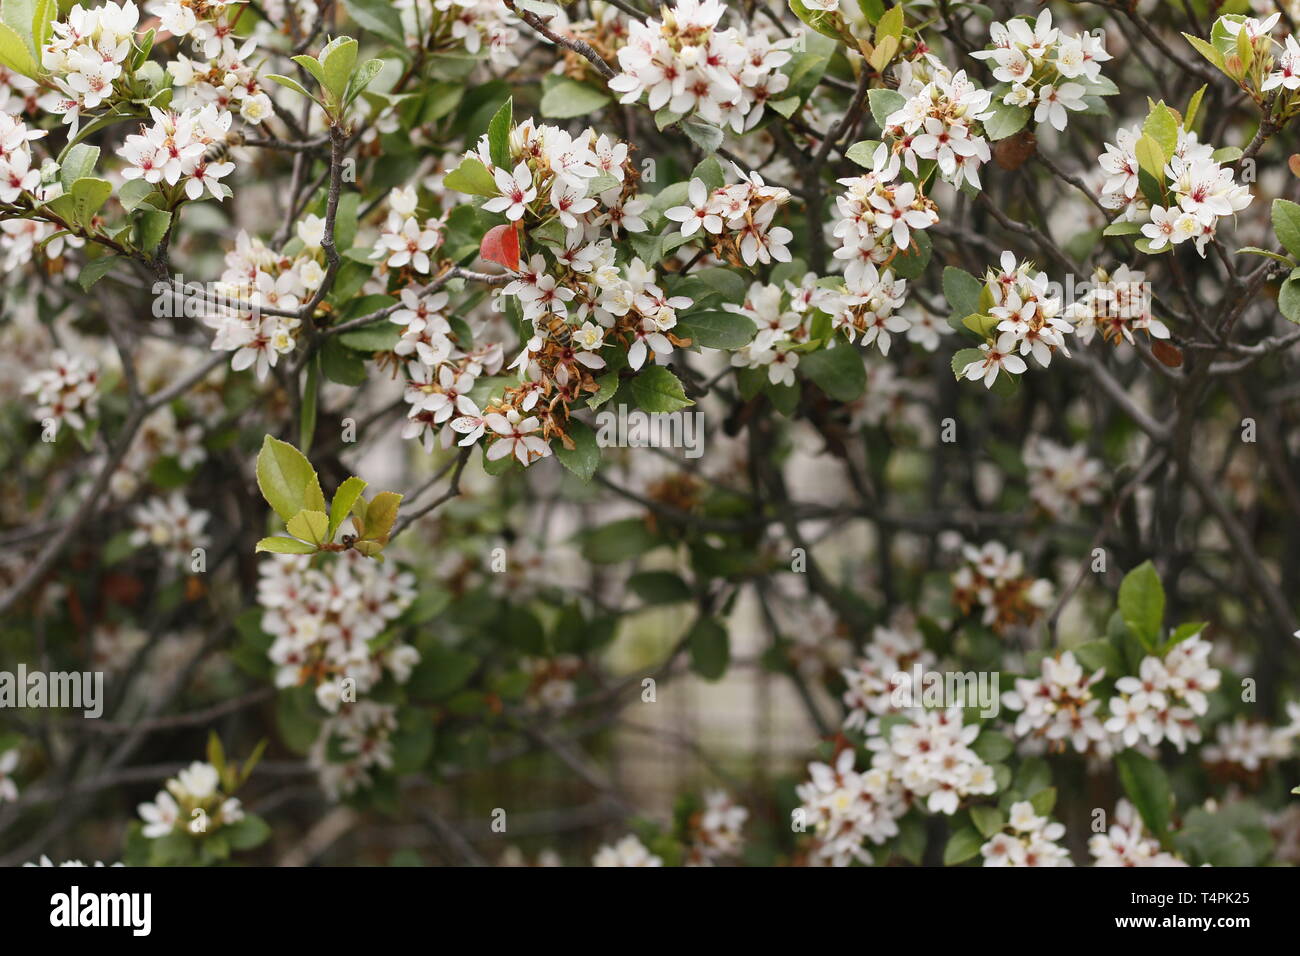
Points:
(628, 851)
(516, 192)
(1054, 101)
(514, 437)
(702, 213)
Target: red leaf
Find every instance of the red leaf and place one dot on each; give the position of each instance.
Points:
(501, 245)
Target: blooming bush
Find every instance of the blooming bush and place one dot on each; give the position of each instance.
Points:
(886, 410)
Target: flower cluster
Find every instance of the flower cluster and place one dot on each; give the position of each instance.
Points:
(175, 148)
(1163, 701)
(1027, 840)
(819, 642)
(1249, 745)
(576, 302)
(1195, 192)
(937, 122)
(219, 71)
(1037, 65)
(323, 620)
(405, 241)
(1127, 842)
(846, 808)
(46, 861)
(1058, 706)
(85, 55)
(716, 831)
(1024, 319)
(782, 317)
(869, 683)
(67, 392)
(685, 64)
(16, 173)
(993, 580)
(551, 685)
(256, 278)
(353, 743)
(736, 219)
(192, 801)
(1116, 304)
(160, 436)
(1062, 479)
(929, 755)
(172, 526)
(628, 851)
(476, 26)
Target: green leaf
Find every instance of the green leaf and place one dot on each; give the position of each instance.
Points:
(1151, 157)
(659, 587)
(716, 330)
(1162, 126)
(617, 541)
(380, 17)
(608, 389)
(862, 153)
(246, 833)
(585, 456)
(1286, 224)
(963, 358)
(1267, 253)
(702, 133)
(709, 171)
(499, 135)
(1122, 229)
(1206, 50)
(337, 60)
(1148, 787)
(988, 820)
(341, 364)
(310, 526)
(565, 98)
(363, 77)
(150, 227)
(1193, 107)
(279, 544)
(1288, 299)
(289, 83)
(962, 290)
(307, 413)
(344, 498)
(993, 747)
(287, 480)
(441, 672)
(88, 197)
(472, 178)
(381, 512)
(839, 372)
(1142, 604)
(656, 389)
(710, 648)
(96, 269)
(820, 20)
(1006, 120)
(78, 164)
(1100, 655)
(962, 845)
(15, 54)
(883, 103)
